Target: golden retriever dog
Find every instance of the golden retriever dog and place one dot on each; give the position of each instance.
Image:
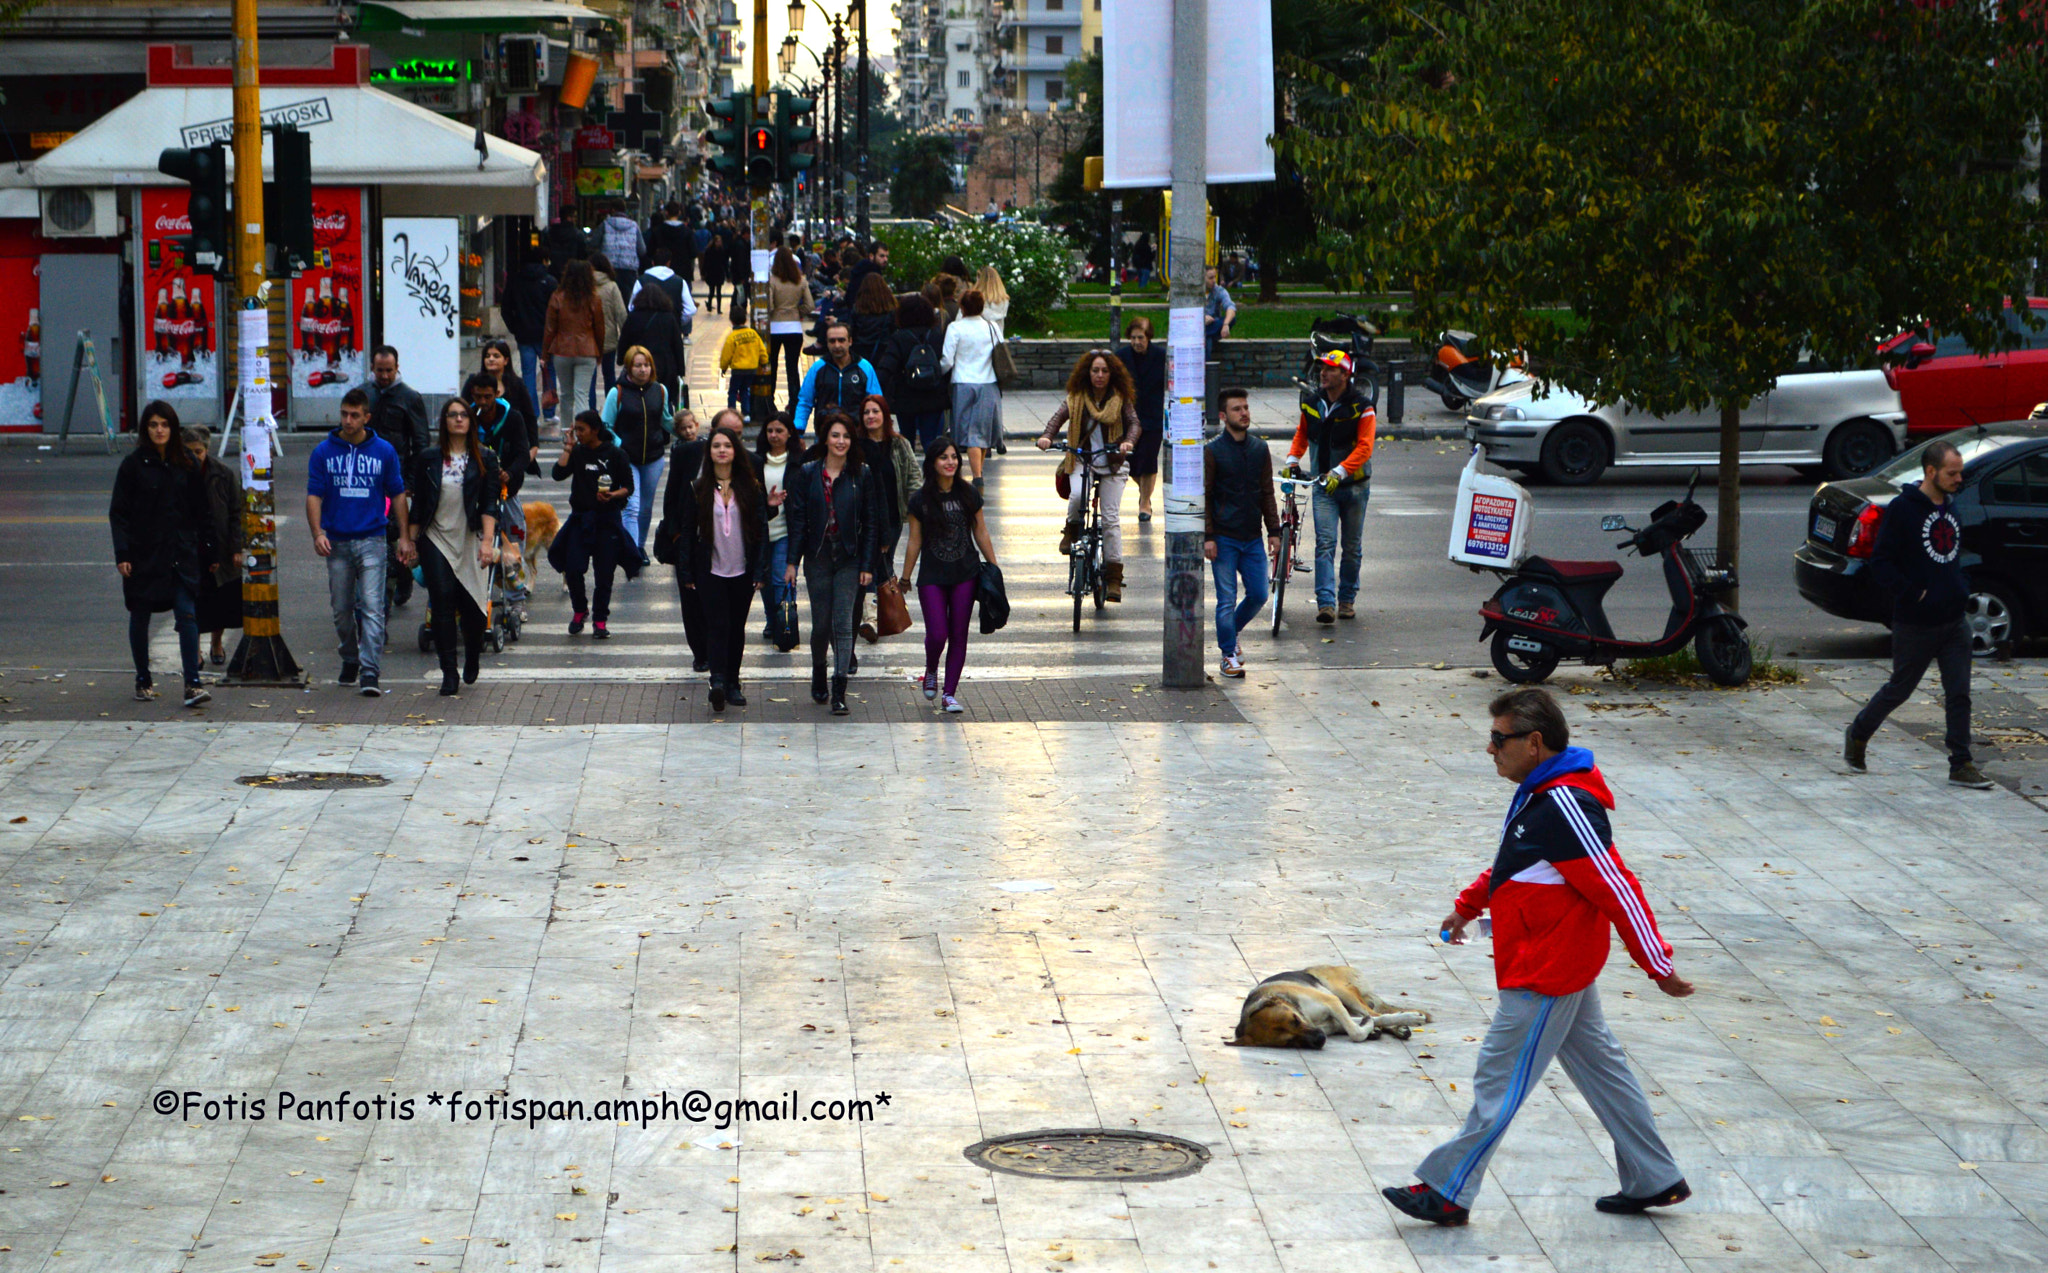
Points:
(1301, 1009)
(542, 525)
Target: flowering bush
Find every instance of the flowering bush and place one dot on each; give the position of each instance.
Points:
(1032, 259)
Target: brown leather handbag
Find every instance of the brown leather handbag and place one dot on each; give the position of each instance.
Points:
(892, 613)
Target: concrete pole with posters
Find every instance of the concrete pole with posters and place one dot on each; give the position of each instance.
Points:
(261, 657)
(1181, 660)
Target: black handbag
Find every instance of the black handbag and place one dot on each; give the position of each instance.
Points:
(667, 543)
(782, 625)
(994, 599)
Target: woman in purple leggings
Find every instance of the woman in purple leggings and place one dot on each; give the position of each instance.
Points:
(948, 541)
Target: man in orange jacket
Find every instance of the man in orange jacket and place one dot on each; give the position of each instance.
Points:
(1556, 887)
(1336, 433)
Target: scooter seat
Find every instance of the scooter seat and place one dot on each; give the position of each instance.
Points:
(1573, 571)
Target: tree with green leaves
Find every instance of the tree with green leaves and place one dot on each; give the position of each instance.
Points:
(1708, 186)
(922, 177)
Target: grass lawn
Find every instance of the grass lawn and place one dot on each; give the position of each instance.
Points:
(1254, 322)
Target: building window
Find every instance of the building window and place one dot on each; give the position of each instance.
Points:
(1055, 4)
(963, 81)
(1098, 46)
(1054, 90)
(1055, 44)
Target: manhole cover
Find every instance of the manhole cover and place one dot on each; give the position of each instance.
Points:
(313, 780)
(1089, 1153)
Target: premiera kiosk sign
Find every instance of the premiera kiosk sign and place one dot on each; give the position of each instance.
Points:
(295, 115)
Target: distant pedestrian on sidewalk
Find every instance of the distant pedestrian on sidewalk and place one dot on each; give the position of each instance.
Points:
(742, 356)
(158, 518)
(353, 478)
(948, 542)
(1145, 358)
(1218, 312)
(1237, 488)
(220, 584)
(524, 307)
(835, 519)
(1918, 560)
(1556, 886)
(724, 556)
(453, 524)
(1336, 434)
(574, 337)
(594, 536)
(789, 308)
(969, 358)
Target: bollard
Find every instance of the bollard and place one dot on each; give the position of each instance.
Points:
(1397, 406)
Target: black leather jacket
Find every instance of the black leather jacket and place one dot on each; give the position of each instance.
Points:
(856, 503)
(480, 487)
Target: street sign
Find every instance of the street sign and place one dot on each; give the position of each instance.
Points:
(593, 137)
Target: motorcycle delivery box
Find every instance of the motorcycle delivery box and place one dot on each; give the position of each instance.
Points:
(1490, 521)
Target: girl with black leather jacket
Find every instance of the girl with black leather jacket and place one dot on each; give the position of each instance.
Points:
(834, 508)
(455, 489)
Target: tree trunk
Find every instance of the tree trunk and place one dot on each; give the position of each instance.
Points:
(1269, 265)
(1728, 535)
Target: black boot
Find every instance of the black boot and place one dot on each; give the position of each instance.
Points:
(717, 694)
(450, 686)
(818, 679)
(733, 695)
(470, 659)
(839, 707)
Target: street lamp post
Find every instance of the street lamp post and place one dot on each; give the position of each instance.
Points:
(860, 126)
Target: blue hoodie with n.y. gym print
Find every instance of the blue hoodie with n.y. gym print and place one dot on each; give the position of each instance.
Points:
(353, 481)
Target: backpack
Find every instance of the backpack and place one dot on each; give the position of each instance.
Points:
(921, 365)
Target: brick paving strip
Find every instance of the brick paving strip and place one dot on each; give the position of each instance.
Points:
(46, 695)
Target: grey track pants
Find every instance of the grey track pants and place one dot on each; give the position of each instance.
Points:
(1528, 1030)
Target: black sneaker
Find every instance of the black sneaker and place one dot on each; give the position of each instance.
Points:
(1968, 775)
(1854, 749)
(1620, 1204)
(349, 673)
(1425, 1203)
(197, 694)
(370, 689)
(144, 692)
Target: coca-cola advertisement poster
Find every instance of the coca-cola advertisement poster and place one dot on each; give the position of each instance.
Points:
(179, 323)
(21, 345)
(327, 317)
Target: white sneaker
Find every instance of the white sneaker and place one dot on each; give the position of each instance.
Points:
(953, 705)
(1233, 665)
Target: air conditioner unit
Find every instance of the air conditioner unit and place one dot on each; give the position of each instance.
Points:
(523, 64)
(72, 212)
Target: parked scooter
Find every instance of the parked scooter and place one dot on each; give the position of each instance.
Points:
(1463, 371)
(1346, 333)
(1547, 610)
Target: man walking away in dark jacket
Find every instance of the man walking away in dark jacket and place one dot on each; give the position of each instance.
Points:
(1556, 887)
(525, 310)
(1237, 485)
(670, 231)
(1918, 560)
(566, 242)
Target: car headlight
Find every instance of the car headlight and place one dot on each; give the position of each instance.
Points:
(1506, 413)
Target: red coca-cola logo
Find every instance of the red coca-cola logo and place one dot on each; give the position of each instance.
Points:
(166, 223)
(337, 222)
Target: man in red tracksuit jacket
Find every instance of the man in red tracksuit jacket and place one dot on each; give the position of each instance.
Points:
(1556, 886)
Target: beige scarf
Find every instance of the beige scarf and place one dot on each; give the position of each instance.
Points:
(1109, 415)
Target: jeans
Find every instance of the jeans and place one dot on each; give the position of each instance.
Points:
(726, 604)
(834, 584)
(355, 593)
(791, 347)
(639, 512)
(529, 365)
(1237, 558)
(1913, 648)
(778, 562)
(924, 428)
(739, 394)
(185, 616)
(946, 611)
(1345, 509)
(575, 380)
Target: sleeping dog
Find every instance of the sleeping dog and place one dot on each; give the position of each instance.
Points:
(1302, 1009)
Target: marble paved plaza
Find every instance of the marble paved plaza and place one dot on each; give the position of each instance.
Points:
(1004, 927)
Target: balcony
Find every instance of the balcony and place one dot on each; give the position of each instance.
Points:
(1039, 61)
(1012, 19)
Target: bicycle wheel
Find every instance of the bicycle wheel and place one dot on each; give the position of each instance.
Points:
(1097, 585)
(1283, 566)
(1077, 581)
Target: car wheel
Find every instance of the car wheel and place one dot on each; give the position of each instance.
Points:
(1575, 454)
(1993, 613)
(1855, 448)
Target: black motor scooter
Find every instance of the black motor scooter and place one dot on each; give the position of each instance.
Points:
(1546, 610)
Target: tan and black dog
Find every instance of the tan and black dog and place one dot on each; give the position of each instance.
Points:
(1302, 1009)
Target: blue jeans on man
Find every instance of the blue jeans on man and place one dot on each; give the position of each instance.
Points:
(1344, 510)
(1237, 559)
(355, 592)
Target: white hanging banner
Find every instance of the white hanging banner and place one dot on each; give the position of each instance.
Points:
(422, 306)
(1137, 92)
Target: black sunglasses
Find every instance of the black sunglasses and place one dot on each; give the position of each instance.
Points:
(1501, 740)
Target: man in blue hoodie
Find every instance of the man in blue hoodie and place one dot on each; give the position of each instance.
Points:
(352, 478)
(1918, 559)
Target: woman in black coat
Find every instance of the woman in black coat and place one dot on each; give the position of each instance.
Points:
(220, 584)
(717, 255)
(453, 515)
(158, 517)
(1146, 360)
(920, 406)
(723, 555)
(652, 325)
(837, 565)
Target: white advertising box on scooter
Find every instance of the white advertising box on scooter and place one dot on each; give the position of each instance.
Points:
(1490, 521)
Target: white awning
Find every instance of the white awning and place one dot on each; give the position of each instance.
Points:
(426, 165)
(475, 15)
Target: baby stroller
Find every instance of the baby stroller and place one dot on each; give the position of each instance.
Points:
(501, 618)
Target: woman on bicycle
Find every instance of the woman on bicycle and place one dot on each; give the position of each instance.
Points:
(1102, 424)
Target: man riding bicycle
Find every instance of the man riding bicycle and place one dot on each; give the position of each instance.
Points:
(1340, 425)
(1102, 424)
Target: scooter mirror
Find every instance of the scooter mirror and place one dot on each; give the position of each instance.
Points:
(1614, 521)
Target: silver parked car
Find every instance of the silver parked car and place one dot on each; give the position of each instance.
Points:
(1833, 424)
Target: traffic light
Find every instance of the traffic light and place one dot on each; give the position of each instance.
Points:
(288, 200)
(730, 136)
(793, 121)
(762, 166)
(206, 171)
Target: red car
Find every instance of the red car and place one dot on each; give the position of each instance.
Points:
(1943, 386)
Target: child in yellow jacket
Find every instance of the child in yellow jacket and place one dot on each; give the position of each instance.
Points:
(743, 354)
